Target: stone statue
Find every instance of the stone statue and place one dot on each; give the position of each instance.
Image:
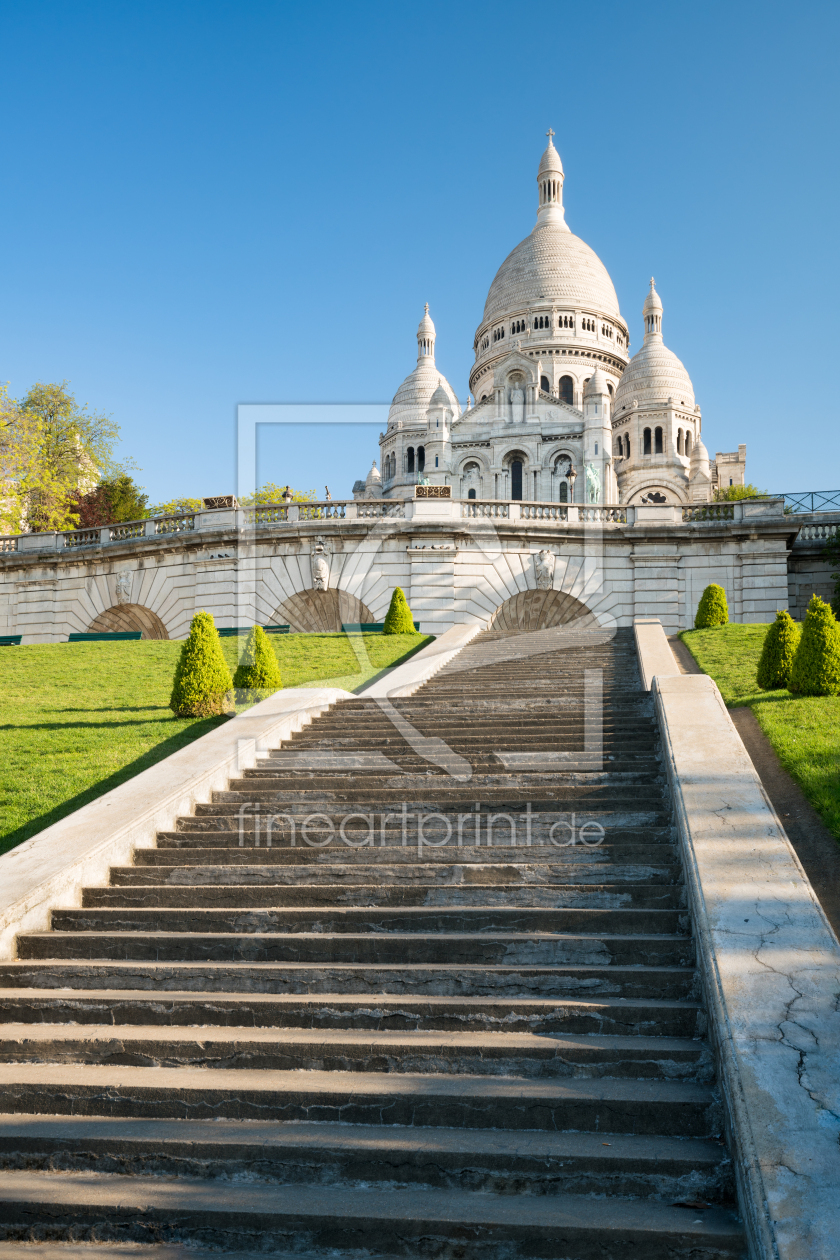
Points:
(593, 484)
(544, 562)
(327, 495)
(123, 586)
(517, 403)
(320, 567)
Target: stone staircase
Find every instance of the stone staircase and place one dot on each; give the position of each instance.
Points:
(259, 1041)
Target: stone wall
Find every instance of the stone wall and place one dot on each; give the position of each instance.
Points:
(455, 565)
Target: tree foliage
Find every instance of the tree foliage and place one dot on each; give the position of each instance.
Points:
(712, 609)
(780, 644)
(113, 500)
(174, 506)
(730, 494)
(816, 665)
(258, 670)
(272, 493)
(51, 451)
(202, 685)
(398, 619)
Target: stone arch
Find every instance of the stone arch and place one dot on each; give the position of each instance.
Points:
(539, 610)
(122, 617)
(321, 612)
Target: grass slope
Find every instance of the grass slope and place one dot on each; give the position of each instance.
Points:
(77, 719)
(804, 730)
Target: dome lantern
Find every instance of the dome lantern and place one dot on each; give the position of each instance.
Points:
(426, 338)
(550, 185)
(652, 313)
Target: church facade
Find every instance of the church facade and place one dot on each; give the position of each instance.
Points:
(562, 412)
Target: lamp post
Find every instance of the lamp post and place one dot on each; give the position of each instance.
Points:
(571, 477)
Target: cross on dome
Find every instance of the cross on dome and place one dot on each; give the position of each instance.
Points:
(550, 134)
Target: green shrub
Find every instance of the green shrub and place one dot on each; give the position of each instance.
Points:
(399, 619)
(258, 670)
(780, 644)
(712, 609)
(202, 686)
(816, 665)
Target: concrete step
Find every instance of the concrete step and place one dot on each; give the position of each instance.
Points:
(509, 1054)
(408, 949)
(329, 1218)
(211, 846)
(619, 1016)
(530, 878)
(462, 921)
(218, 893)
(605, 1104)
(524, 981)
(487, 1161)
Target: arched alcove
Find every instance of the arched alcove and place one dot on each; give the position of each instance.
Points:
(539, 610)
(122, 617)
(322, 612)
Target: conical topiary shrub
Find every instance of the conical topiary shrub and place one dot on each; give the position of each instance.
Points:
(816, 665)
(258, 670)
(399, 619)
(202, 686)
(780, 644)
(712, 609)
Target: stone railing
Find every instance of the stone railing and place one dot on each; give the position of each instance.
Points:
(181, 524)
(9, 544)
(544, 512)
(377, 509)
(817, 533)
(82, 537)
(709, 512)
(481, 508)
(272, 514)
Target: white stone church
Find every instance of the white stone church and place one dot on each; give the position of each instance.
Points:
(562, 412)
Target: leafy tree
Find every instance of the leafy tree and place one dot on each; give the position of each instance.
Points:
(117, 499)
(712, 609)
(258, 670)
(730, 494)
(174, 506)
(272, 493)
(816, 665)
(51, 448)
(780, 644)
(398, 619)
(202, 685)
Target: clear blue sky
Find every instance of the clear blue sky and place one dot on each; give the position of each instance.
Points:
(212, 203)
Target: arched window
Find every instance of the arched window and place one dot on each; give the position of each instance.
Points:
(516, 479)
(567, 390)
(609, 386)
(657, 448)
(688, 443)
(646, 436)
(471, 494)
(421, 458)
(627, 445)
(563, 495)
(679, 442)
(410, 459)
(544, 385)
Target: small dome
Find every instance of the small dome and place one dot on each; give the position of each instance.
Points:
(440, 398)
(550, 163)
(699, 454)
(413, 398)
(426, 327)
(374, 477)
(597, 384)
(653, 302)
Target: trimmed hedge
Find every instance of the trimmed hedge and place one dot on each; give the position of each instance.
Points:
(712, 609)
(777, 655)
(202, 686)
(816, 665)
(258, 670)
(399, 619)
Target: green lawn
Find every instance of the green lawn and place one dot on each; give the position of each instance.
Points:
(79, 718)
(804, 730)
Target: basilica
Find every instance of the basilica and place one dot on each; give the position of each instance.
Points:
(562, 412)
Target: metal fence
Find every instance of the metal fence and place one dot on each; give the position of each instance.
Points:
(810, 500)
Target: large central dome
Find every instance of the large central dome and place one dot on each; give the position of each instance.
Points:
(554, 265)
